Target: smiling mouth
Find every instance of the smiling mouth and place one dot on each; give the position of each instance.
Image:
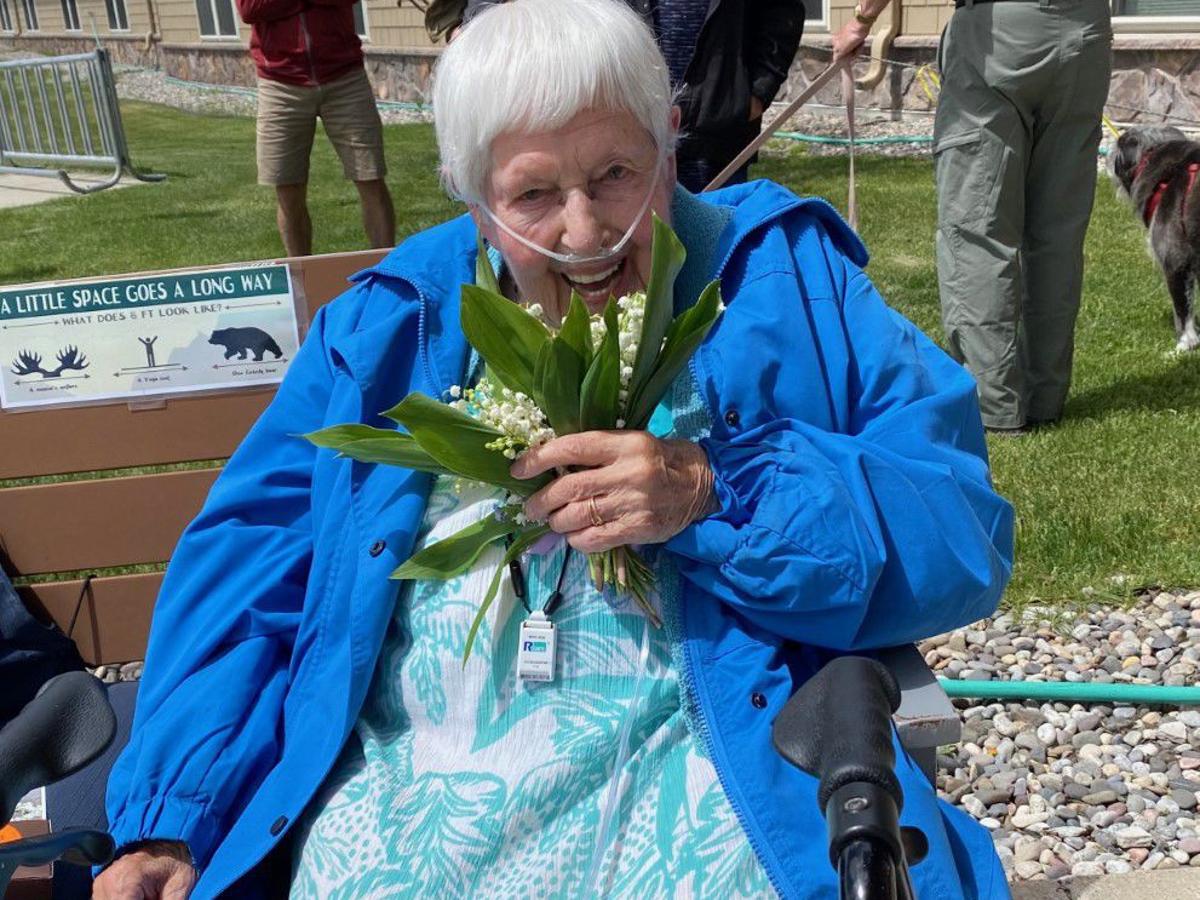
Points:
(595, 285)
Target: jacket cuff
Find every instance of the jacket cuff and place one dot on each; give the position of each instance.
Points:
(765, 87)
(716, 536)
(168, 819)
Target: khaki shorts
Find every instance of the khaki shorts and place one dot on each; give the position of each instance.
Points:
(287, 119)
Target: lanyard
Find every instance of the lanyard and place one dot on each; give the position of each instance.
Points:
(536, 650)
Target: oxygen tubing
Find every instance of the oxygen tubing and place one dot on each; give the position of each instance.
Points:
(1074, 692)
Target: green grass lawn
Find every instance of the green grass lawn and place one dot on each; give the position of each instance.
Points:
(1104, 501)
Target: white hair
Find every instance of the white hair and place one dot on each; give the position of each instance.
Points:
(533, 65)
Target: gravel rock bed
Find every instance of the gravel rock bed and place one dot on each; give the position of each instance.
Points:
(1068, 789)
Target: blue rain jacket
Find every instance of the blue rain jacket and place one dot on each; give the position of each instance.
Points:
(856, 512)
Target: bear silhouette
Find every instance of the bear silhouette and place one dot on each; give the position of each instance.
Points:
(237, 341)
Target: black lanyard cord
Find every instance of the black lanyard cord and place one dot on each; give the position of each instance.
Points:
(518, 582)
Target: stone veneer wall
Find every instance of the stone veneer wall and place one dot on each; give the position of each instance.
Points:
(1158, 73)
(1152, 75)
(128, 50)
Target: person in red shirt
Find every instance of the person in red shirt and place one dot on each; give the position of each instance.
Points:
(310, 64)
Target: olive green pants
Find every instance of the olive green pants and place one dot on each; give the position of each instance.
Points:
(1015, 141)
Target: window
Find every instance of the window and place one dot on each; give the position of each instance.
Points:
(31, 19)
(1177, 8)
(1155, 15)
(216, 18)
(6, 20)
(118, 18)
(816, 13)
(70, 15)
(360, 20)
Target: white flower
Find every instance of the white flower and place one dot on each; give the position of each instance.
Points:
(455, 391)
(520, 423)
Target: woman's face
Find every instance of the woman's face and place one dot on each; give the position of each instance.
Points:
(576, 190)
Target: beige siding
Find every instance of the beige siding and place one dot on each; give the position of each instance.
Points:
(918, 18)
(92, 13)
(391, 26)
(925, 18)
(840, 12)
(179, 23)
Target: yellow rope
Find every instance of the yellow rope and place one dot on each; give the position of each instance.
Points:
(1109, 124)
(930, 81)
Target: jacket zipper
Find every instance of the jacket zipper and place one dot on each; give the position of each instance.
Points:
(688, 677)
(688, 680)
(312, 66)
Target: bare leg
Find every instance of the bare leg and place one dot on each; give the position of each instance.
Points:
(379, 218)
(295, 226)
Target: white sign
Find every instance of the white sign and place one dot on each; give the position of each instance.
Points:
(145, 336)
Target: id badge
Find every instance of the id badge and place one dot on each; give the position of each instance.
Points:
(536, 653)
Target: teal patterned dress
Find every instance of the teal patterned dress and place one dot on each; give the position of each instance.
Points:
(467, 782)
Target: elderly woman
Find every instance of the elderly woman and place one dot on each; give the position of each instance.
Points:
(815, 481)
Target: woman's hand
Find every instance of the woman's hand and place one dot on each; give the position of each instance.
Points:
(633, 488)
(157, 870)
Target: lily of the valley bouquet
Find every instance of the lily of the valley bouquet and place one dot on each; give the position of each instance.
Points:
(596, 372)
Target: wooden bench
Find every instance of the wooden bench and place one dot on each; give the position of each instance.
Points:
(58, 533)
(106, 520)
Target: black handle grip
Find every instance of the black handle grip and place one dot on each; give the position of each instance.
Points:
(838, 727)
(79, 847)
(66, 726)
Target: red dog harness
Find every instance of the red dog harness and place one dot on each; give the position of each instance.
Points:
(1156, 197)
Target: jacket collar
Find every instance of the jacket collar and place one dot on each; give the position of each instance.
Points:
(424, 273)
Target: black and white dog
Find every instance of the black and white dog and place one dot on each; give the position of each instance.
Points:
(1155, 168)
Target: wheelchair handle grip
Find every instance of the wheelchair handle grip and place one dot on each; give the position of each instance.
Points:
(66, 726)
(838, 728)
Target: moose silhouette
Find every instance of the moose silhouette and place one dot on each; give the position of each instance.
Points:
(28, 362)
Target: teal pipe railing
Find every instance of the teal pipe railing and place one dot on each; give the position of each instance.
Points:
(1074, 692)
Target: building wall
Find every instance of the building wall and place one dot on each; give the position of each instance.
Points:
(1156, 65)
(917, 17)
(51, 20)
(388, 25)
(392, 26)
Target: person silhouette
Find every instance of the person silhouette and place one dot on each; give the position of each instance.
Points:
(148, 343)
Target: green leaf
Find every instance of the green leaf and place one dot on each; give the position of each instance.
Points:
(523, 540)
(405, 453)
(576, 329)
(485, 275)
(562, 387)
(376, 445)
(336, 436)
(599, 395)
(540, 374)
(667, 256)
(455, 554)
(508, 338)
(456, 441)
(683, 337)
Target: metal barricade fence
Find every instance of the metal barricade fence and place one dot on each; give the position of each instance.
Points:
(62, 112)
